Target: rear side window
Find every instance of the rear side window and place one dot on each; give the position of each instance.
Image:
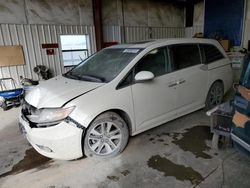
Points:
(184, 55)
(210, 53)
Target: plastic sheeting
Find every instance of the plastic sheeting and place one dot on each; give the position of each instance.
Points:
(224, 17)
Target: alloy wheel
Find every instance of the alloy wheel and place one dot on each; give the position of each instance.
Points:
(104, 138)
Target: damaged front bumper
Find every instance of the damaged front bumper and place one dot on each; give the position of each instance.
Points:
(61, 141)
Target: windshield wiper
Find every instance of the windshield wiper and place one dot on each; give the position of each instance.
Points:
(84, 77)
(93, 78)
(70, 75)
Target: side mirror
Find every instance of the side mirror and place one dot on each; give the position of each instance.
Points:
(143, 76)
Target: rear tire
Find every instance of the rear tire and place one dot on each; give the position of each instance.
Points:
(215, 95)
(107, 136)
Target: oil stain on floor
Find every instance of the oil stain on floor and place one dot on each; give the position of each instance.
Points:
(113, 178)
(31, 160)
(194, 140)
(169, 168)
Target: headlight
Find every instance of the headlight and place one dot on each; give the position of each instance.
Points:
(49, 116)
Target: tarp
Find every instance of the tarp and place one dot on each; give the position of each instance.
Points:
(224, 17)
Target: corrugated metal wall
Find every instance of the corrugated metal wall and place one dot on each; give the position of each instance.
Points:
(31, 37)
(168, 32)
(190, 31)
(112, 34)
(132, 34)
(143, 33)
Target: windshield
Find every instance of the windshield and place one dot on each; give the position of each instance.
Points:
(104, 65)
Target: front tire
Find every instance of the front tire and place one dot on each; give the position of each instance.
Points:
(107, 136)
(215, 95)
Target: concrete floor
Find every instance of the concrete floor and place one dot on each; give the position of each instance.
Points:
(176, 154)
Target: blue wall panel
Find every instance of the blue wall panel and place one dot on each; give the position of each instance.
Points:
(226, 17)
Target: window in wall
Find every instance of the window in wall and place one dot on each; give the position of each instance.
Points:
(74, 49)
(184, 55)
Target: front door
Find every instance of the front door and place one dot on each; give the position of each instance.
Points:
(155, 100)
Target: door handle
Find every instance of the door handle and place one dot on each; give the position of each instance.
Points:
(181, 82)
(172, 84)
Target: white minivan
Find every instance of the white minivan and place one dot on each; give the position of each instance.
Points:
(121, 91)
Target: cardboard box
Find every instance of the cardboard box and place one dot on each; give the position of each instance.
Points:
(226, 44)
(198, 35)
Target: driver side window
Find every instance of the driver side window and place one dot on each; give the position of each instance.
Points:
(155, 61)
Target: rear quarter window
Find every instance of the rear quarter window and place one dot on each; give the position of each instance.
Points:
(210, 53)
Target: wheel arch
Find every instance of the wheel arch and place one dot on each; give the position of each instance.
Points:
(218, 80)
(207, 105)
(125, 117)
(120, 112)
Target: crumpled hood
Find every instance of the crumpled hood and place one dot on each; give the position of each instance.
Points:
(57, 91)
